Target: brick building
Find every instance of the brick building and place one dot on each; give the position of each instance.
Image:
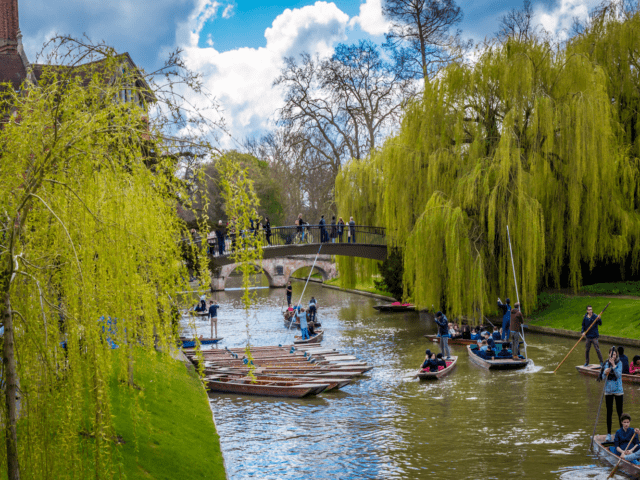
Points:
(14, 66)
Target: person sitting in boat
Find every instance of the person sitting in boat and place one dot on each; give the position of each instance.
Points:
(466, 332)
(456, 329)
(437, 363)
(625, 443)
(505, 352)
(634, 368)
(304, 332)
(474, 334)
(625, 361)
(202, 306)
(426, 365)
(310, 325)
(496, 333)
(491, 350)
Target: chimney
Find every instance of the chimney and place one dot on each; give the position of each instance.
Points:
(9, 27)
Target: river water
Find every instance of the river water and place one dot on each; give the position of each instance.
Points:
(528, 424)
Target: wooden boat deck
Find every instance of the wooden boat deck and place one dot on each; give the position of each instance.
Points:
(602, 450)
(317, 338)
(593, 370)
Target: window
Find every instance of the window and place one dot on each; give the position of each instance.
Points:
(279, 270)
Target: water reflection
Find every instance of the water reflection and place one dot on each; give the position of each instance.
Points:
(530, 424)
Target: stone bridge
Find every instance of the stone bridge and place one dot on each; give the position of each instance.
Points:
(278, 270)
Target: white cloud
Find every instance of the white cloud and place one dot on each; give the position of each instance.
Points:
(371, 19)
(228, 11)
(242, 79)
(559, 19)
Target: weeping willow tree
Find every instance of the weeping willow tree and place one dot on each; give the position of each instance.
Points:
(241, 205)
(528, 137)
(89, 259)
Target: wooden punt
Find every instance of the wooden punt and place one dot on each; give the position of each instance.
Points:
(502, 364)
(317, 338)
(289, 324)
(191, 343)
(436, 375)
(262, 388)
(457, 341)
(394, 308)
(593, 370)
(602, 450)
(295, 373)
(333, 383)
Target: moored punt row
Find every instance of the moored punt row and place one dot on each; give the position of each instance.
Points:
(593, 370)
(282, 371)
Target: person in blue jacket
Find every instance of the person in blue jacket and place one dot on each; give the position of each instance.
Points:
(428, 359)
(443, 333)
(590, 324)
(611, 373)
(625, 361)
(496, 334)
(506, 318)
(626, 443)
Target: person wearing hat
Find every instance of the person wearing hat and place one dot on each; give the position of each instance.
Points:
(427, 360)
(506, 318)
(515, 325)
(443, 333)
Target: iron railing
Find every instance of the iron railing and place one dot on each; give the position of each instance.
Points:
(294, 235)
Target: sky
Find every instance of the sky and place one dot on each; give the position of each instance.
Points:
(239, 46)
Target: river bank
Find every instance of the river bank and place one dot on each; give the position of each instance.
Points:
(165, 426)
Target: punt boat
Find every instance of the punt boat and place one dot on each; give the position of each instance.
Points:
(497, 364)
(264, 388)
(440, 373)
(334, 383)
(395, 307)
(317, 338)
(593, 370)
(602, 450)
(191, 343)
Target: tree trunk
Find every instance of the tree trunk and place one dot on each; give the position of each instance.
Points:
(11, 384)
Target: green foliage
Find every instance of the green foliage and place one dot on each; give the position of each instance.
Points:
(392, 273)
(614, 288)
(176, 437)
(527, 137)
(89, 233)
(622, 318)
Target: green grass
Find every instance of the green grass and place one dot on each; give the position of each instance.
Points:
(561, 311)
(364, 287)
(616, 288)
(176, 437)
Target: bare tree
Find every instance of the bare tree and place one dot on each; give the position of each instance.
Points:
(518, 24)
(420, 33)
(341, 107)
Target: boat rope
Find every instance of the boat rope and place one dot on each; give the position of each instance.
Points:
(303, 290)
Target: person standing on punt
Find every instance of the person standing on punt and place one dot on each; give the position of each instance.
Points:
(506, 318)
(289, 293)
(302, 318)
(515, 326)
(443, 333)
(611, 373)
(213, 315)
(592, 334)
(313, 308)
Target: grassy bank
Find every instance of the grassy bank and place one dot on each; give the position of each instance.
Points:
(364, 287)
(172, 435)
(563, 311)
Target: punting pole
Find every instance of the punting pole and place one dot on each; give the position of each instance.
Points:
(515, 281)
(305, 286)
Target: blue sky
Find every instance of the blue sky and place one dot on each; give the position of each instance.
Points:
(238, 46)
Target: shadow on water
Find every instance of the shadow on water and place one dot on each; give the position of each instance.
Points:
(472, 424)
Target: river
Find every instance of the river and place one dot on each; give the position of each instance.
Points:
(527, 424)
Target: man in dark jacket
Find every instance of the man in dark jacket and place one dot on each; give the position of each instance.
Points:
(625, 361)
(220, 231)
(506, 318)
(443, 333)
(323, 230)
(514, 327)
(590, 324)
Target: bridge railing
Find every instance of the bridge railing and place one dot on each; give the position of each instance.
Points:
(294, 235)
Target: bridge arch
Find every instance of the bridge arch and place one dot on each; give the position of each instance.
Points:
(277, 270)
